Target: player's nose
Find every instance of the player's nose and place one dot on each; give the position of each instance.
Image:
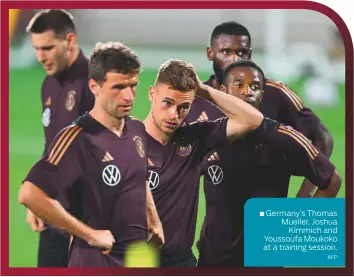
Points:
(247, 91)
(41, 56)
(173, 113)
(128, 94)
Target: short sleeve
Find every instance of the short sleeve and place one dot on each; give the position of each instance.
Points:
(60, 167)
(211, 133)
(292, 111)
(303, 158)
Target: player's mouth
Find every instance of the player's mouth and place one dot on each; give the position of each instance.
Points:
(171, 125)
(250, 101)
(48, 66)
(126, 108)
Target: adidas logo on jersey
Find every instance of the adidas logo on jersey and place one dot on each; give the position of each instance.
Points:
(107, 157)
(203, 117)
(214, 157)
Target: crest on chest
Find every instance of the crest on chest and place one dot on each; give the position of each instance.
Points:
(70, 100)
(183, 147)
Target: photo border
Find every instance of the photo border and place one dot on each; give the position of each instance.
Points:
(6, 5)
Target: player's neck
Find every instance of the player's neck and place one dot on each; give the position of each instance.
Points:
(154, 131)
(74, 55)
(215, 83)
(111, 123)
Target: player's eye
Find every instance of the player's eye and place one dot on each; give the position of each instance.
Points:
(255, 87)
(226, 51)
(184, 108)
(46, 48)
(238, 85)
(166, 102)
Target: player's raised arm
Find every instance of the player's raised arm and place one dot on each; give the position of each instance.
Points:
(243, 118)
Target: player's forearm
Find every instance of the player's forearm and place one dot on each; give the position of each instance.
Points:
(307, 189)
(233, 107)
(332, 189)
(51, 211)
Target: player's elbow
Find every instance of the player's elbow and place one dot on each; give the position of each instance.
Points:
(25, 195)
(335, 184)
(323, 140)
(254, 121)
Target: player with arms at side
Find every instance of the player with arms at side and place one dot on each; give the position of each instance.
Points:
(230, 42)
(100, 164)
(253, 167)
(65, 96)
(176, 151)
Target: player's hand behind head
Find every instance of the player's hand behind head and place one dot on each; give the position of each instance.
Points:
(35, 222)
(102, 239)
(200, 83)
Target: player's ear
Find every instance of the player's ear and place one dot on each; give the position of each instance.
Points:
(94, 87)
(250, 54)
(223, 88)
(71, 39)
(210, 53)
(152, 92)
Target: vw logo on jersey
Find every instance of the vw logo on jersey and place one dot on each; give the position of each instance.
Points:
(216, 174)
(46, 117)
(153, 179)
(111, 175)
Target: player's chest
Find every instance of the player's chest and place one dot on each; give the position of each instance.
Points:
(247, 163)
(117, 163)
(169, 163)
(60, 103)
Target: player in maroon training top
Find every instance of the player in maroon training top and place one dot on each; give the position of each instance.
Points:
(176, 151)
(253, 167)
(65, 96)
(100, 164)
(231, 41)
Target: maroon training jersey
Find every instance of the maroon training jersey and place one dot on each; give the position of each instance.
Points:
(103, 178)
(174, 173)
(65, 97)
(252, 167)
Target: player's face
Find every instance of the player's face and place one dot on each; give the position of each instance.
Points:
(51, 52)
(169, 107)
(245, 83)
(227, 49)
(116, 95)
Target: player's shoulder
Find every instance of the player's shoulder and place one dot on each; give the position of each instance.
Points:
(202, 110)
(136, 125)
(134, 121)
(64, 142)
(279, 90)
(47, 81)
(295, 140)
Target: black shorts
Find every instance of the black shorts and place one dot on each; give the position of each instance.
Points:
(191, 261)
(53, 249)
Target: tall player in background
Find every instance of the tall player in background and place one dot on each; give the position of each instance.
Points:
(230, 42)
(65, 96)
(253, 167)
